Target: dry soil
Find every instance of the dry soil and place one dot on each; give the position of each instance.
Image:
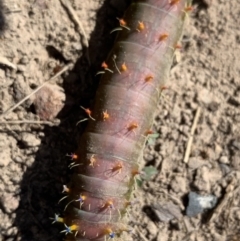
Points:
(39, 38)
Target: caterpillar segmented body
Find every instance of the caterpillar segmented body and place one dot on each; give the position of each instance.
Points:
(108, 157)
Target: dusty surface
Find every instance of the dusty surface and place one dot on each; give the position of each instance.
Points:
(40, 37)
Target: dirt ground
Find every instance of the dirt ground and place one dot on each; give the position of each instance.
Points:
(39, 38)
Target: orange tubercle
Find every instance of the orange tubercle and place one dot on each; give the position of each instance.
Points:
(148, 78)
(173, 2)
(74, 227)
(124, 67)
(73, 156)
(135, 172)
(109, 232)
(163, 37)
(104, 65)
(88, 112)
(177, 46)
(82, 197)
(128, 203)
(188, 9)
(163, 88)
(122, 22)
(132, 126)
(92, 160)
(105, 115)
(140, 26)
(148, 132)
(118, 167)
(108, 204)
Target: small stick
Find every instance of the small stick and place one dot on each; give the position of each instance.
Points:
(114, 58)
(11, 7)
(4, 61)
(29, 122)
(174, 199)
(190, 140)
(230, 192)
(35, 91)
(141, 235)
(76, 20)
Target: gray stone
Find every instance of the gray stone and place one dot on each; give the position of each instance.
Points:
(198, 203)
(236, 143)
(167, 211)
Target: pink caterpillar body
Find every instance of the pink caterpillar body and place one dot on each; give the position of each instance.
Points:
(107, 160)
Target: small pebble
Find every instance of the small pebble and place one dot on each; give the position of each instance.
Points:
(5, 157)
(225, 169)
(224, 160)
(24, 60)
(30, 139)
(49, 101)
(198, 203)
(236, 143)
(236, 162)
(152, 228)
(9, 202)
(6, 143)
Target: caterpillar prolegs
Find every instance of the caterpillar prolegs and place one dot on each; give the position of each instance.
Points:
(107, 160)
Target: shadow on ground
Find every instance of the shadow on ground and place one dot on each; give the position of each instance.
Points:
(42, 183)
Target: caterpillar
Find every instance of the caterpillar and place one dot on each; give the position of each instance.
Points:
(108, 158)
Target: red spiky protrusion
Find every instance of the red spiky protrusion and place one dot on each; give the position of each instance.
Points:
(189, 8)
(73, 156)
(148, 78)
(162, 88)
(163, 37)
(88, 112)
(173, 2)
(135, 172)
(132, 126)
(178, 46)
(148, 132)
(117, 168)
(104, 65)
(128, 203)
(122, 22)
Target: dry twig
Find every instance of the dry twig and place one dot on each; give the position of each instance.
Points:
(76, 21)
(29, 122)
(141, 235)
(4, 61)
(230, 192)
(190, 140)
